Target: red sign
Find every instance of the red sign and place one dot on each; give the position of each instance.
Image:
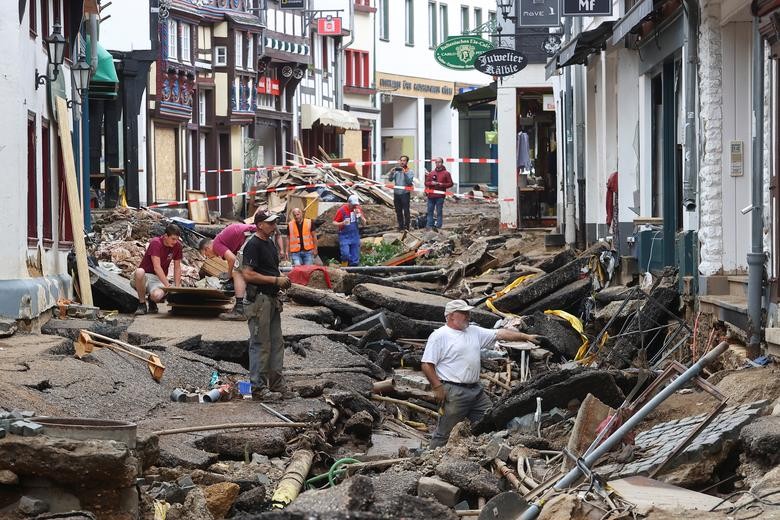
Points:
(268, 86)
(329, 26)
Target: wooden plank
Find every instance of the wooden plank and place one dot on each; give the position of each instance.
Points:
(646, 492)
(214, 266)
(206, 293)
(199, 211)
(74, 201)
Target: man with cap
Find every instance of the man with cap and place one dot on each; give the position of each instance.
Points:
(451, 362)
(346, 221)
(226, 245)
(259, 260)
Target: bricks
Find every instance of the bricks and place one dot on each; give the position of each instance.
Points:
(26, 428)
(661, 440)
(444, 492)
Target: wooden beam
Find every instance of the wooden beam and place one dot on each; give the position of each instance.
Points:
(74, 201)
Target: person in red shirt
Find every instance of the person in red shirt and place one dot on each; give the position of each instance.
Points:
(226, 245)
(437, 180)
(346, 221)
(152, 275)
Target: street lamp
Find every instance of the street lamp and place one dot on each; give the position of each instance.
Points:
(80, 72)
(506, 9)
(55, 45)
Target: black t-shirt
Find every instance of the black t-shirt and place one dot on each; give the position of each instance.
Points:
(262, 256)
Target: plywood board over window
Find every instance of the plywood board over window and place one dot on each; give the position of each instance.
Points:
(199, 211)
(165, 164)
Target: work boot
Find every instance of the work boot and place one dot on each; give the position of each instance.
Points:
(286, 393)
(236, 314)
(264, 394)
(141, 310)
(152, 306)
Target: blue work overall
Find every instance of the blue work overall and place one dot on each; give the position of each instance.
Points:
(349, 240)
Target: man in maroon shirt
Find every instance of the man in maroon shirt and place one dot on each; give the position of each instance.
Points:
(225, 245)
(152, 275)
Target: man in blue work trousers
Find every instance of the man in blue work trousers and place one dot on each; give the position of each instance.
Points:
(346, 221)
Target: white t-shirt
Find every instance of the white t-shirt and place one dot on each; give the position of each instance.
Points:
(456, 353)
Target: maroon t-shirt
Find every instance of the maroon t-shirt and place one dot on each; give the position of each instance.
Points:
(232, 238)
(165, 254)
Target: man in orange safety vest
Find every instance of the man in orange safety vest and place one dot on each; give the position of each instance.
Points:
(302, 242)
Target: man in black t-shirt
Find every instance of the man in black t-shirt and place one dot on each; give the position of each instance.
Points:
(260, 267)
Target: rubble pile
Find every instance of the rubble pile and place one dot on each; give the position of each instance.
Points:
(353, 440)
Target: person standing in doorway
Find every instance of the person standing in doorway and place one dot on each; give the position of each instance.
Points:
(402, 179)
(437, 180)
(302, 239)
(346, 220)
(259, 261)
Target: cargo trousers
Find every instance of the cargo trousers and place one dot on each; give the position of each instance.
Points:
(266, 345)
(461, 402)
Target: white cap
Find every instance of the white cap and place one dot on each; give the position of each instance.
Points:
(457, 305)
(354, 199)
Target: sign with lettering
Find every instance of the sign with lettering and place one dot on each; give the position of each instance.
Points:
(539, 13)
(292, 4)
(500, 62)
(459, 52)
(587, 7)
(329, 26)
(414, 87)
(266, 85)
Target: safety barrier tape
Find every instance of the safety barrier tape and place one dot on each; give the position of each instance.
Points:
(322, 185)
(465, 160)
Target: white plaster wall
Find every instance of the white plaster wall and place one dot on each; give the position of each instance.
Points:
(629, 98)
(395, 57)
(20, 57)
(127, 29)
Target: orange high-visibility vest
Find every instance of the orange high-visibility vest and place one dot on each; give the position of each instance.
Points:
(295, 237)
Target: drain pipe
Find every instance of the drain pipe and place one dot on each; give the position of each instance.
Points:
(691, 158)
(579, 103)
(340, 66)
(570, 227)
(576, 473)
(756, 258)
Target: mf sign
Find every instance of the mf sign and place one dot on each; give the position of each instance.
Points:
(587, 7)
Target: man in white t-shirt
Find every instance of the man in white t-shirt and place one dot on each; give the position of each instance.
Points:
(451, 362)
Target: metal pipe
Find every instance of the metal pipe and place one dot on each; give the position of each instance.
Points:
(382, 269)
(756, 258)
(691, 157)
(572, 476)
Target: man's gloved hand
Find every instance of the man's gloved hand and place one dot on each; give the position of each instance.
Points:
(440, 392)
(283, 282)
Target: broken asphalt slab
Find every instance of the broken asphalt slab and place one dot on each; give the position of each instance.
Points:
(557, 389)
(414, 304)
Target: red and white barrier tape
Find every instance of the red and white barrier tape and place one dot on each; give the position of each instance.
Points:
(465, 160)
(320, 185)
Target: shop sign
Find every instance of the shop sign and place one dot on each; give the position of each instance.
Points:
(329, 26)
(415, 87)
(268, 86)
(292, 4)
(548, 103)
(539, 13)
(587, 7)
(459, 52)
(500, 62)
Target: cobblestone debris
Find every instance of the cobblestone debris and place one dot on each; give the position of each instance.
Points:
(661, 440)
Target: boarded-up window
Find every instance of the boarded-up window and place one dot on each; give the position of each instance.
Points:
(165, 164)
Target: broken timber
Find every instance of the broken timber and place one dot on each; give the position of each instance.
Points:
(339, 305)
(88, 340)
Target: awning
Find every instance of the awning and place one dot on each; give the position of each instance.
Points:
(104, 82)
(635, 16)
(285, 46)
(584, 44)
(311, 114)
(474, 97)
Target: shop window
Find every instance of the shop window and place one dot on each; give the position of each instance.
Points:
(32, 180)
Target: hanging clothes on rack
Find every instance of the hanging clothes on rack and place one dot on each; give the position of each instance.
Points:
(523, 151)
